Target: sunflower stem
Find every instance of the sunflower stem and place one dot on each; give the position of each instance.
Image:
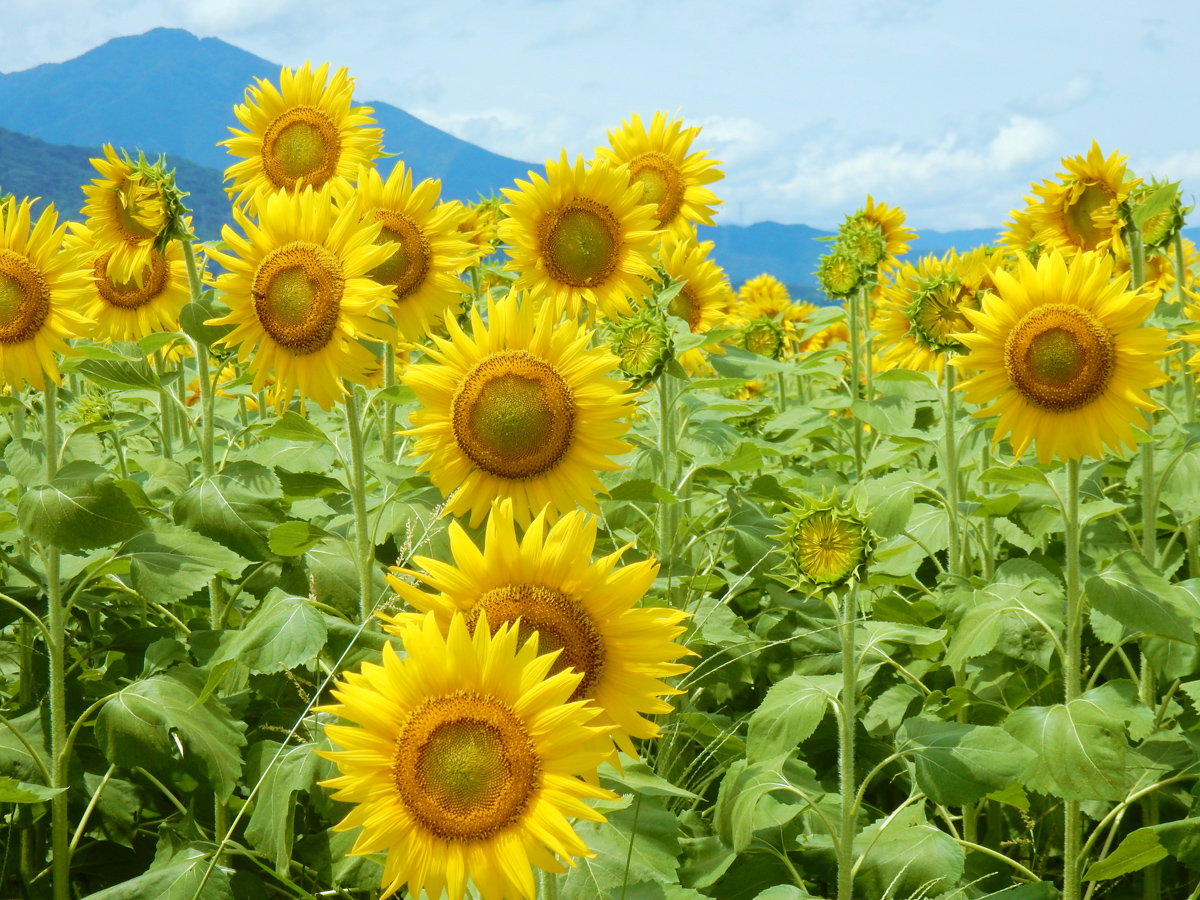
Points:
(389, 408)
(666, 446)
(56, 620)
(165, 412)
(989, 524)
(782, 391)
(358, 495)
(549, 885)
(949, 411)
(868, 341)
(1072, 823)
(846, 745)
(855, 386)
(1189, 380)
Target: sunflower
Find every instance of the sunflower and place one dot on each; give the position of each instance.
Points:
(580, 236)
(1020, 239)
(763, 336)
(1062, 357)
(923, 309)
(523, 410)
(673, 179)
(1081, 211)
(127, 211)
(128, 310)
(643, 344)
(827, 543)
(891, 223)
(41, 291)
(478, 227)
(763, 295)
(428, 252)
(702, 302)
(302, 133)
(840, 273)
(587, 610)
(467, 761)
(299, 290)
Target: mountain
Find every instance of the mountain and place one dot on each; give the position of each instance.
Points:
(167, 91)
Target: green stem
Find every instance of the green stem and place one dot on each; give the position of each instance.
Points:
(989, 524)
(950, 451)
(667, 518)
(1189, 380)
(389, 411)
(364, 548)
(1072, 824)
(846, 746)
(855, 385)
(782, 391)
(165, 412)
(56, 650)
(868, 341)
(549, 886)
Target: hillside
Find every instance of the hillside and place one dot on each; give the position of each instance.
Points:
(167, 91)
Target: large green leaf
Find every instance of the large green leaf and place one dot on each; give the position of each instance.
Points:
(283, 633)
(171, 563)
(654, 855)
(745, 786)
(958, 763)
(1138, 596)
(134, 728)
(1140, 848)
(909, 855)
(1079, 747)
(79, 514)
(179, 879)
(15, 759)
(284, 770)
(789, 713)
(13, 791)
(225, 510)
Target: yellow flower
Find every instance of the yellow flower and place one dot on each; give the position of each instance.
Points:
(41, 290)
(827, 543)
(1062, 357)
(126, 213)
(580, 236)
(586, 610)
(428, 252)
(302, 133)
(674, 180)
(763, 295)
(467, 762)
(702, 302)
(299, 291)
(128, 310)
(891, 222)
(523, 409)
(1080, 211)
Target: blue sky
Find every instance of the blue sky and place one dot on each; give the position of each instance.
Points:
(947, 108)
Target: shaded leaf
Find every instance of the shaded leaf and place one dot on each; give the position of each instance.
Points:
(78, 515)
(789, 713)
(1136, 595)
(171, 563)
(958, 763)
(1079, 750)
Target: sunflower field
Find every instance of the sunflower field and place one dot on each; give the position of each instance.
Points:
(397, 547)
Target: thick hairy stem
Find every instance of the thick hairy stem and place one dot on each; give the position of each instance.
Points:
(868, 342)
(950, 452)
(1073, 824)
(668, 517)
(855, 382)
(846, 746)
(389, 409)
(364, 549)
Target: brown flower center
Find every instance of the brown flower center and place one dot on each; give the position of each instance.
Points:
(24, 299)
(302, 143)
(1059, 357)
(297, 295)
(580, 243)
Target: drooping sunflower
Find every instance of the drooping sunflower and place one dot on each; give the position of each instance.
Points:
(1080, 211)
(703, 301)
(41, 292)
(299, 291)
(890, 220)
(521, 409)
(428, 252)
(128, 310)
(466, 763)
(302, 133)
(827, 544)
(1062, 357)
(674, 180)
(127, 211)
(923, 309)
(580, 236)
(586, 610)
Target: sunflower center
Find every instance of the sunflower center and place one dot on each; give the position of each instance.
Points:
(561, 623)
(406, 268)
(514, 415)
(24, 300)
(1059, 357)
(579, 243)
(1080, 225)
(465, 766)
(302, 142)
(684, 306)
(827, 549)
(661, 184)
(297, 294)
(127, 294)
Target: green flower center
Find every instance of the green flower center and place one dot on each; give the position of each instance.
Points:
(406, 269)
(1060, 357)
(579, 243)
(661, 184)
(24, 300)
(301, 143)
(297, 294)
(1081, 226)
